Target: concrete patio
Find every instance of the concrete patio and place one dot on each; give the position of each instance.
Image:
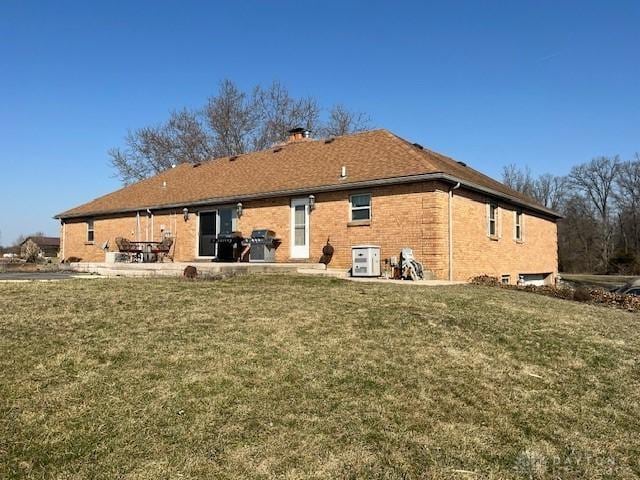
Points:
(204, 268)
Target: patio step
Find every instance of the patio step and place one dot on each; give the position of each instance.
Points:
(176, 269)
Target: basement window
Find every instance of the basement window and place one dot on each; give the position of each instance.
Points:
(90, 231)
(505, 279)
(360, 207)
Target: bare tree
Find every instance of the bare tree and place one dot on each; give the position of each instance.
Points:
(519, 179)
(595, 181)
(30, 251)
(600, 203)
(628, 198)
(342, 121)
(278, 112)
(232, 122)
(150, 150)
(579, 239)
(550, 190)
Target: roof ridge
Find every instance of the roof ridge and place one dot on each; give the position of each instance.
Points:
(307, 141)
(369, 155)
(411, 147)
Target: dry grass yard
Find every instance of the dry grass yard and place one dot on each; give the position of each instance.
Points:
(300, 377)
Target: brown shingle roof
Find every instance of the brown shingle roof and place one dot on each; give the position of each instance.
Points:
(312, 164)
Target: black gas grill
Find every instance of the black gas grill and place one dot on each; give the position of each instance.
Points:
(263, 245)
(229, 246)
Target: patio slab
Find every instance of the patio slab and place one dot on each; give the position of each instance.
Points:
(176, 269)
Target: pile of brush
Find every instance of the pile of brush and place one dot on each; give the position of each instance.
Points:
(596, 296)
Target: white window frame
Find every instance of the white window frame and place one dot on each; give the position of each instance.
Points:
(91, 228)
(516, 237)
(367, 207)
(300, 252)
(496, 220)
(506, 277)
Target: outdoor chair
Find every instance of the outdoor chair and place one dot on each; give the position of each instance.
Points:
(125, 246)
(163, 248)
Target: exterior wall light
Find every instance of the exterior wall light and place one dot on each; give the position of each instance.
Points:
(185, 213)
(312, 202)
(239, 209)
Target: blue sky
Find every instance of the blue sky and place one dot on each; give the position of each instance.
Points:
(544, 83)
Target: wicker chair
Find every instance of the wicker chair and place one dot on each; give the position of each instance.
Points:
(125, 246)
(163, 248)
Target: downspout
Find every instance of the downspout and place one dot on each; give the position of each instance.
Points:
(64, 240)
(455, 187)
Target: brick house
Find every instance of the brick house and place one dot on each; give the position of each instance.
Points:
(372, 187)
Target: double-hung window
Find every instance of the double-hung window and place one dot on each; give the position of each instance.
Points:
(519, 226)
(90, 231)
(361, 207)
(492, 220)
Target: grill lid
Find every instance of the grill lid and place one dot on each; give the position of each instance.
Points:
(230, 235)
(263, 233)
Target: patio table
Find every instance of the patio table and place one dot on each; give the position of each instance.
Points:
(146, 245)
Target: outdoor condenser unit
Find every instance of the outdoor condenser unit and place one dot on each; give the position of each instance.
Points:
(365, 261)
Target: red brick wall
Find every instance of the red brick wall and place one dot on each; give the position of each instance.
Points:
(475, 253)
(74, 234)
(412, 215)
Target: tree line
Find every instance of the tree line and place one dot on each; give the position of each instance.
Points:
(231, 122)
(599, 200)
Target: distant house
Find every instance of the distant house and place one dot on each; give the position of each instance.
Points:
(367, 188)
(48, 246)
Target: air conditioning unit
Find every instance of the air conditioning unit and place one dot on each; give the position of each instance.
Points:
(365, 261)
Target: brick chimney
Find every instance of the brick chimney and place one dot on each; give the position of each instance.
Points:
(297, 134)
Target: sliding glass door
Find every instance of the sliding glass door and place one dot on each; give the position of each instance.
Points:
(212, 223)
(208, 231)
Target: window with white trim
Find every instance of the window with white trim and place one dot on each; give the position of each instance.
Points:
(505, 279)
(360, 206)
(492, 220)
(519, 225)
(90, 231)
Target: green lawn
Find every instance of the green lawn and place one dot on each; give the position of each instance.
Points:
(301, 377)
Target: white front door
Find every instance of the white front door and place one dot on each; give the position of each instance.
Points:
(300, 228)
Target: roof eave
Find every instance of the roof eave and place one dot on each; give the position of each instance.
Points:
(323, 188)
(515, 200)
